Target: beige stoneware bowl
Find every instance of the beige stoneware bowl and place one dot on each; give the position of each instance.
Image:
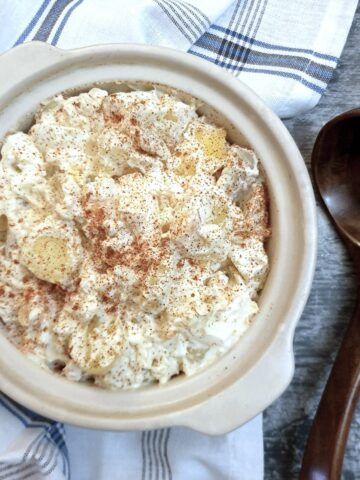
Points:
(260, 366)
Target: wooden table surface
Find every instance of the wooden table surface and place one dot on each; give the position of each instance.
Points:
(323, 323)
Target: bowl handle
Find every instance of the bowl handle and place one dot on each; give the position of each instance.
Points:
(25, 59)
(230, 408)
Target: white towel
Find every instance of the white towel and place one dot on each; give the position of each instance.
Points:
(35, 448)
(286, 51)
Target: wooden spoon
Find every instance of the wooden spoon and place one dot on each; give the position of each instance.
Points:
(336, 170)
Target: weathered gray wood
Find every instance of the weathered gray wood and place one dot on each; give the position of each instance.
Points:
(319, 333)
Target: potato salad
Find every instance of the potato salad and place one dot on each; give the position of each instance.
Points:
(132, 238)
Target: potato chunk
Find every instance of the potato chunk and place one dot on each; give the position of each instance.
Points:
(47, 258)
(96, 346)
(186, 167)
(213, 142)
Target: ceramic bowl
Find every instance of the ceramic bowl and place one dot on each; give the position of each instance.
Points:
(260, 366)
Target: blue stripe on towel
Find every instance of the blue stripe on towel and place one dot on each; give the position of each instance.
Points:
(27, 415)
(32, 23)
(53, 431)
(279, 73)
(63, 23)
(272, 46)
(212, 43)
(51, 19)
(13, 411)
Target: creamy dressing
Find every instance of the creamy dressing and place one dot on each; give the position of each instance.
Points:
(131, 238)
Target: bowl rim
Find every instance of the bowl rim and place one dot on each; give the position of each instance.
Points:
(281, 348)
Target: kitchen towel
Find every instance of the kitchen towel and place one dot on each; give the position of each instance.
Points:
(35, 448)
(286, 51)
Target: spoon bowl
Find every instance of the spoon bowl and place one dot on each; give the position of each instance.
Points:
(336, 170)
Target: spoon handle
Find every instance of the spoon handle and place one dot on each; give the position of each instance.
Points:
(325, 449)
